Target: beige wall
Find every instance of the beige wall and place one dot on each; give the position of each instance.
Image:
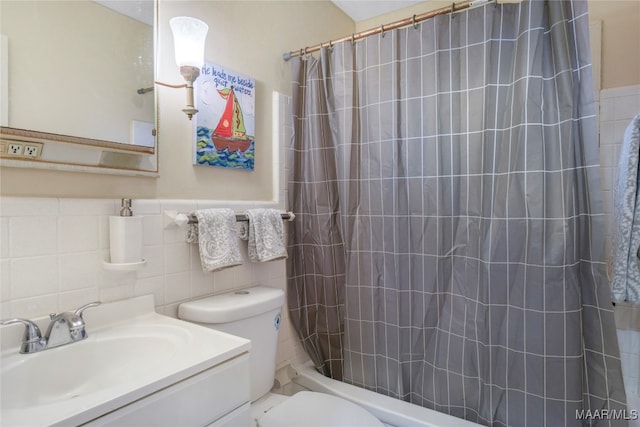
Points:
(407, 12)
(246, 36)
(620, 41)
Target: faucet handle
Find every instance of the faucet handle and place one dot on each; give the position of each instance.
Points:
(31, 339)
(31, 330)
(79, 311)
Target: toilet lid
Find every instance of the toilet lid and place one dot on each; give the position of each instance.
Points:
(308, 408)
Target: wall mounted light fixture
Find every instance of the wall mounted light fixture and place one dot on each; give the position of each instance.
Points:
(189, 35)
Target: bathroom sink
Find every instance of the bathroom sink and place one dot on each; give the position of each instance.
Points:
(131, 352)
(95, 363)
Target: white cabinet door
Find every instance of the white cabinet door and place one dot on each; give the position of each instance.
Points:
(197, 401)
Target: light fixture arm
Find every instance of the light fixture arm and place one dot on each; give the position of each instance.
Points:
(190, 74)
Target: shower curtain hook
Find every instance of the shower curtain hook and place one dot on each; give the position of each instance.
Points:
(301, 53)
(330, 46)
(415, 24)
(382, 30)
(453, 9)
(353, 39)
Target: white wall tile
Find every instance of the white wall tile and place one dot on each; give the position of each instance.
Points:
(34, 276)
(177, 287)
(151, 285)
(173, 234)
(35, 306)
(103, 232)
(72, 207)
(201, 283)
(154, 255)
(71, 300)
(176, 258)
(620, 91)
(5, 280)
(109, 278)
(146, 207)
(68, 240)
(212, 204)
(79, 270)
(620, 127)
(5, 310)
(117, 292)
(182, 206)
(78, 233)
(33, 235)
(607, 133)
(26, 206)
(606, 179)
(4, 237)
(224, 281)
(244, 276)
(607, 111)
(152, 230)
(608, 157)
(626, 107)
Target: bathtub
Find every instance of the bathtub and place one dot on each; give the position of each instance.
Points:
(390, 411)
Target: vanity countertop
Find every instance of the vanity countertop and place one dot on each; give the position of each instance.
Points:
(131, 352)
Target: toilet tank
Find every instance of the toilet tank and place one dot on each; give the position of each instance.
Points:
(252, 313)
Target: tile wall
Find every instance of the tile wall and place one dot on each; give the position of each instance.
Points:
(52, 252)
(617, 107)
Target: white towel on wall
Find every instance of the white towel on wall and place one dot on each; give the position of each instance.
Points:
(626, 239)
(217, 238)
(266, 235)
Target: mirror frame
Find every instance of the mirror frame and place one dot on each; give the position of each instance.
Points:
(86, 154)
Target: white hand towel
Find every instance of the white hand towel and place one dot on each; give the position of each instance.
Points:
(266, 235)
(216, 239)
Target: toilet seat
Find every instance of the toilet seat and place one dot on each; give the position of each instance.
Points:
(307, 408)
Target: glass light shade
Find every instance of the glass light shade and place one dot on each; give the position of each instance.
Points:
(189, 35)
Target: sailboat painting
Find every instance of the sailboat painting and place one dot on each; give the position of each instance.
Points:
(225, 123)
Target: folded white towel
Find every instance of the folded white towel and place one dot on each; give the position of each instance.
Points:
(266, 235)
(216, 238)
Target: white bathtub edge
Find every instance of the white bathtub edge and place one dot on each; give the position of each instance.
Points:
(386, 409)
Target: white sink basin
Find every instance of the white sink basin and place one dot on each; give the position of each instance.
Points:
(95, 363)
(123, 359)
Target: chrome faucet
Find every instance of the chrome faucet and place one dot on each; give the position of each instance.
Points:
(64, 328)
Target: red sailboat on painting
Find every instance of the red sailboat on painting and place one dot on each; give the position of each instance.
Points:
(231, 133)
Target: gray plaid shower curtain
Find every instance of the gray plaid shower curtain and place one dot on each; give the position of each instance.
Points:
(448, 242)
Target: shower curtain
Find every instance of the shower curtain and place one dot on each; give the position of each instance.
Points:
(448, 243)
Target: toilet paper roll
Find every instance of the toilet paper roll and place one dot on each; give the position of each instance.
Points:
(125, 239)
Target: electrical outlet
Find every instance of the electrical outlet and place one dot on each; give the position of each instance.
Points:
(32, 150)
(21, 150)
(14, 149)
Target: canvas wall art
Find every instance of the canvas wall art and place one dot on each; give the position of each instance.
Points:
(225, 123)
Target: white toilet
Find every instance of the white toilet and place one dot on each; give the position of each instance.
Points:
(254, 314)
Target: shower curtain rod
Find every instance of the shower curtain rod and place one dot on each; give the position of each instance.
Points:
(455, 7)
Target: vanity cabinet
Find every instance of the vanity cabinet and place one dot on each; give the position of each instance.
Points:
(218, 396)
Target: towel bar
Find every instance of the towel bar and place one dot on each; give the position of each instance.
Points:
(289, 216)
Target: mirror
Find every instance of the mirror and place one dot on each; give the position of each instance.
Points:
(72, 71)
